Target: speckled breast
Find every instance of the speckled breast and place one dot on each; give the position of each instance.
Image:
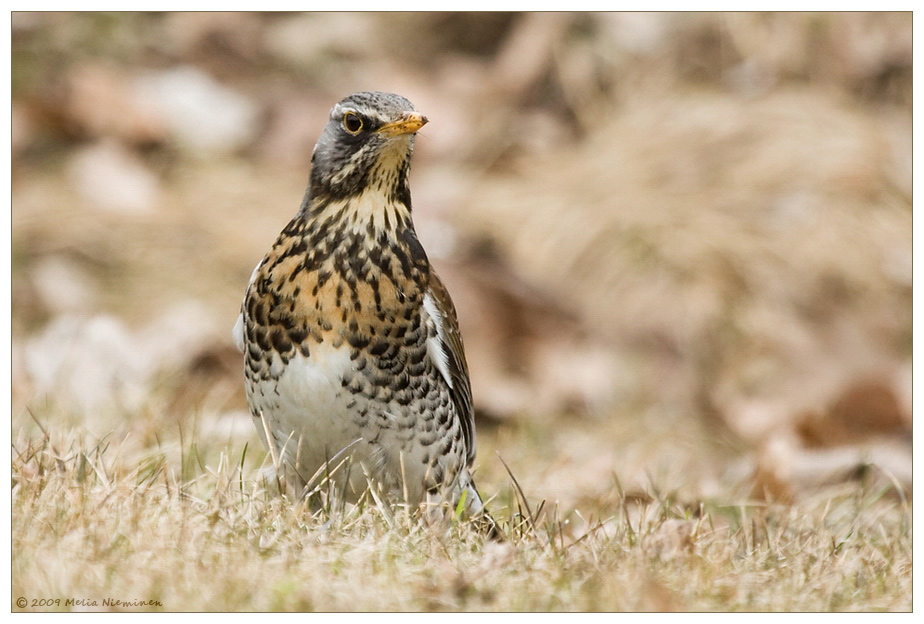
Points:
(337, 371)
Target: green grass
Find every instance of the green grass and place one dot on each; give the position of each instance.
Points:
(197, 526)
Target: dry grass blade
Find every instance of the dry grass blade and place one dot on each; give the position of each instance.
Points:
(521, 496)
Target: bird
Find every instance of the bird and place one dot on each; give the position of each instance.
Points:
(354, 366)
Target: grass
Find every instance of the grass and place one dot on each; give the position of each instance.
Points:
(191, 525)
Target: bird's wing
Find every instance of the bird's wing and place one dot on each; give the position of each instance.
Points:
(447, 353)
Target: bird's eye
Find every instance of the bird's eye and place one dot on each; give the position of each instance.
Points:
(353, 123)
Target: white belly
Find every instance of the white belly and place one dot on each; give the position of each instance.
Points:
(316, 429)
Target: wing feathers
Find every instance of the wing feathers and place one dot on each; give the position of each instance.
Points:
(446, 351)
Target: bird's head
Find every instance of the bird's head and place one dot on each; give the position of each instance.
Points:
(366, 148)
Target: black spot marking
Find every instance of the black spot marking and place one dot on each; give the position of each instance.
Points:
(357, 341)
(280, 342)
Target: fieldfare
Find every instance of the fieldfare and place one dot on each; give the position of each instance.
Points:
(353, 360)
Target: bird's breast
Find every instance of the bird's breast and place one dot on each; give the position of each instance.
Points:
(299, 300)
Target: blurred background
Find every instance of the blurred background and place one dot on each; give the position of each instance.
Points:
(680, 244)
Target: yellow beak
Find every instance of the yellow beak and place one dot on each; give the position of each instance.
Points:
(406, 124)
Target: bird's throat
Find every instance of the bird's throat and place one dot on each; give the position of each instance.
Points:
(372, 215)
